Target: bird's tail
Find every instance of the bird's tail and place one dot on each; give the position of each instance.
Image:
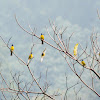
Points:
(42, 41)
(28, 61)
(11, 53)
(41, 59)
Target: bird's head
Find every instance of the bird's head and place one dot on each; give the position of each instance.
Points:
(31, 52)
(41, 33)
(82, 60)
(12, 44)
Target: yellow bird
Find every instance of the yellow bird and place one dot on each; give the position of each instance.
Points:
(99, 53)
(30, 57)
(75, 49)
(83, 63)
(42, 37)
(43, 54)
(12, 49)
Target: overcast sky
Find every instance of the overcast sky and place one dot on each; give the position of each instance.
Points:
(79, 15)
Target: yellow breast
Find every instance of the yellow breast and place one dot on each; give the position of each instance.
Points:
(12, 48)
(42, 37)
(83, 63)
(30, 56)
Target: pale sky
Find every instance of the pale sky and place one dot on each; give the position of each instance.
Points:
(79, 15)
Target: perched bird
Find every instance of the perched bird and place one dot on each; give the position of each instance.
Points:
(75, 49)
(83, 63)
(12, 49)
(99, 53)
(43, 54)
(30, 57)
(42, 37)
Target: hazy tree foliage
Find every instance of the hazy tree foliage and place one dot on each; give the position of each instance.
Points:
(37, 87)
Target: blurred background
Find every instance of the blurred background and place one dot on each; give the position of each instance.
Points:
(79, 16)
